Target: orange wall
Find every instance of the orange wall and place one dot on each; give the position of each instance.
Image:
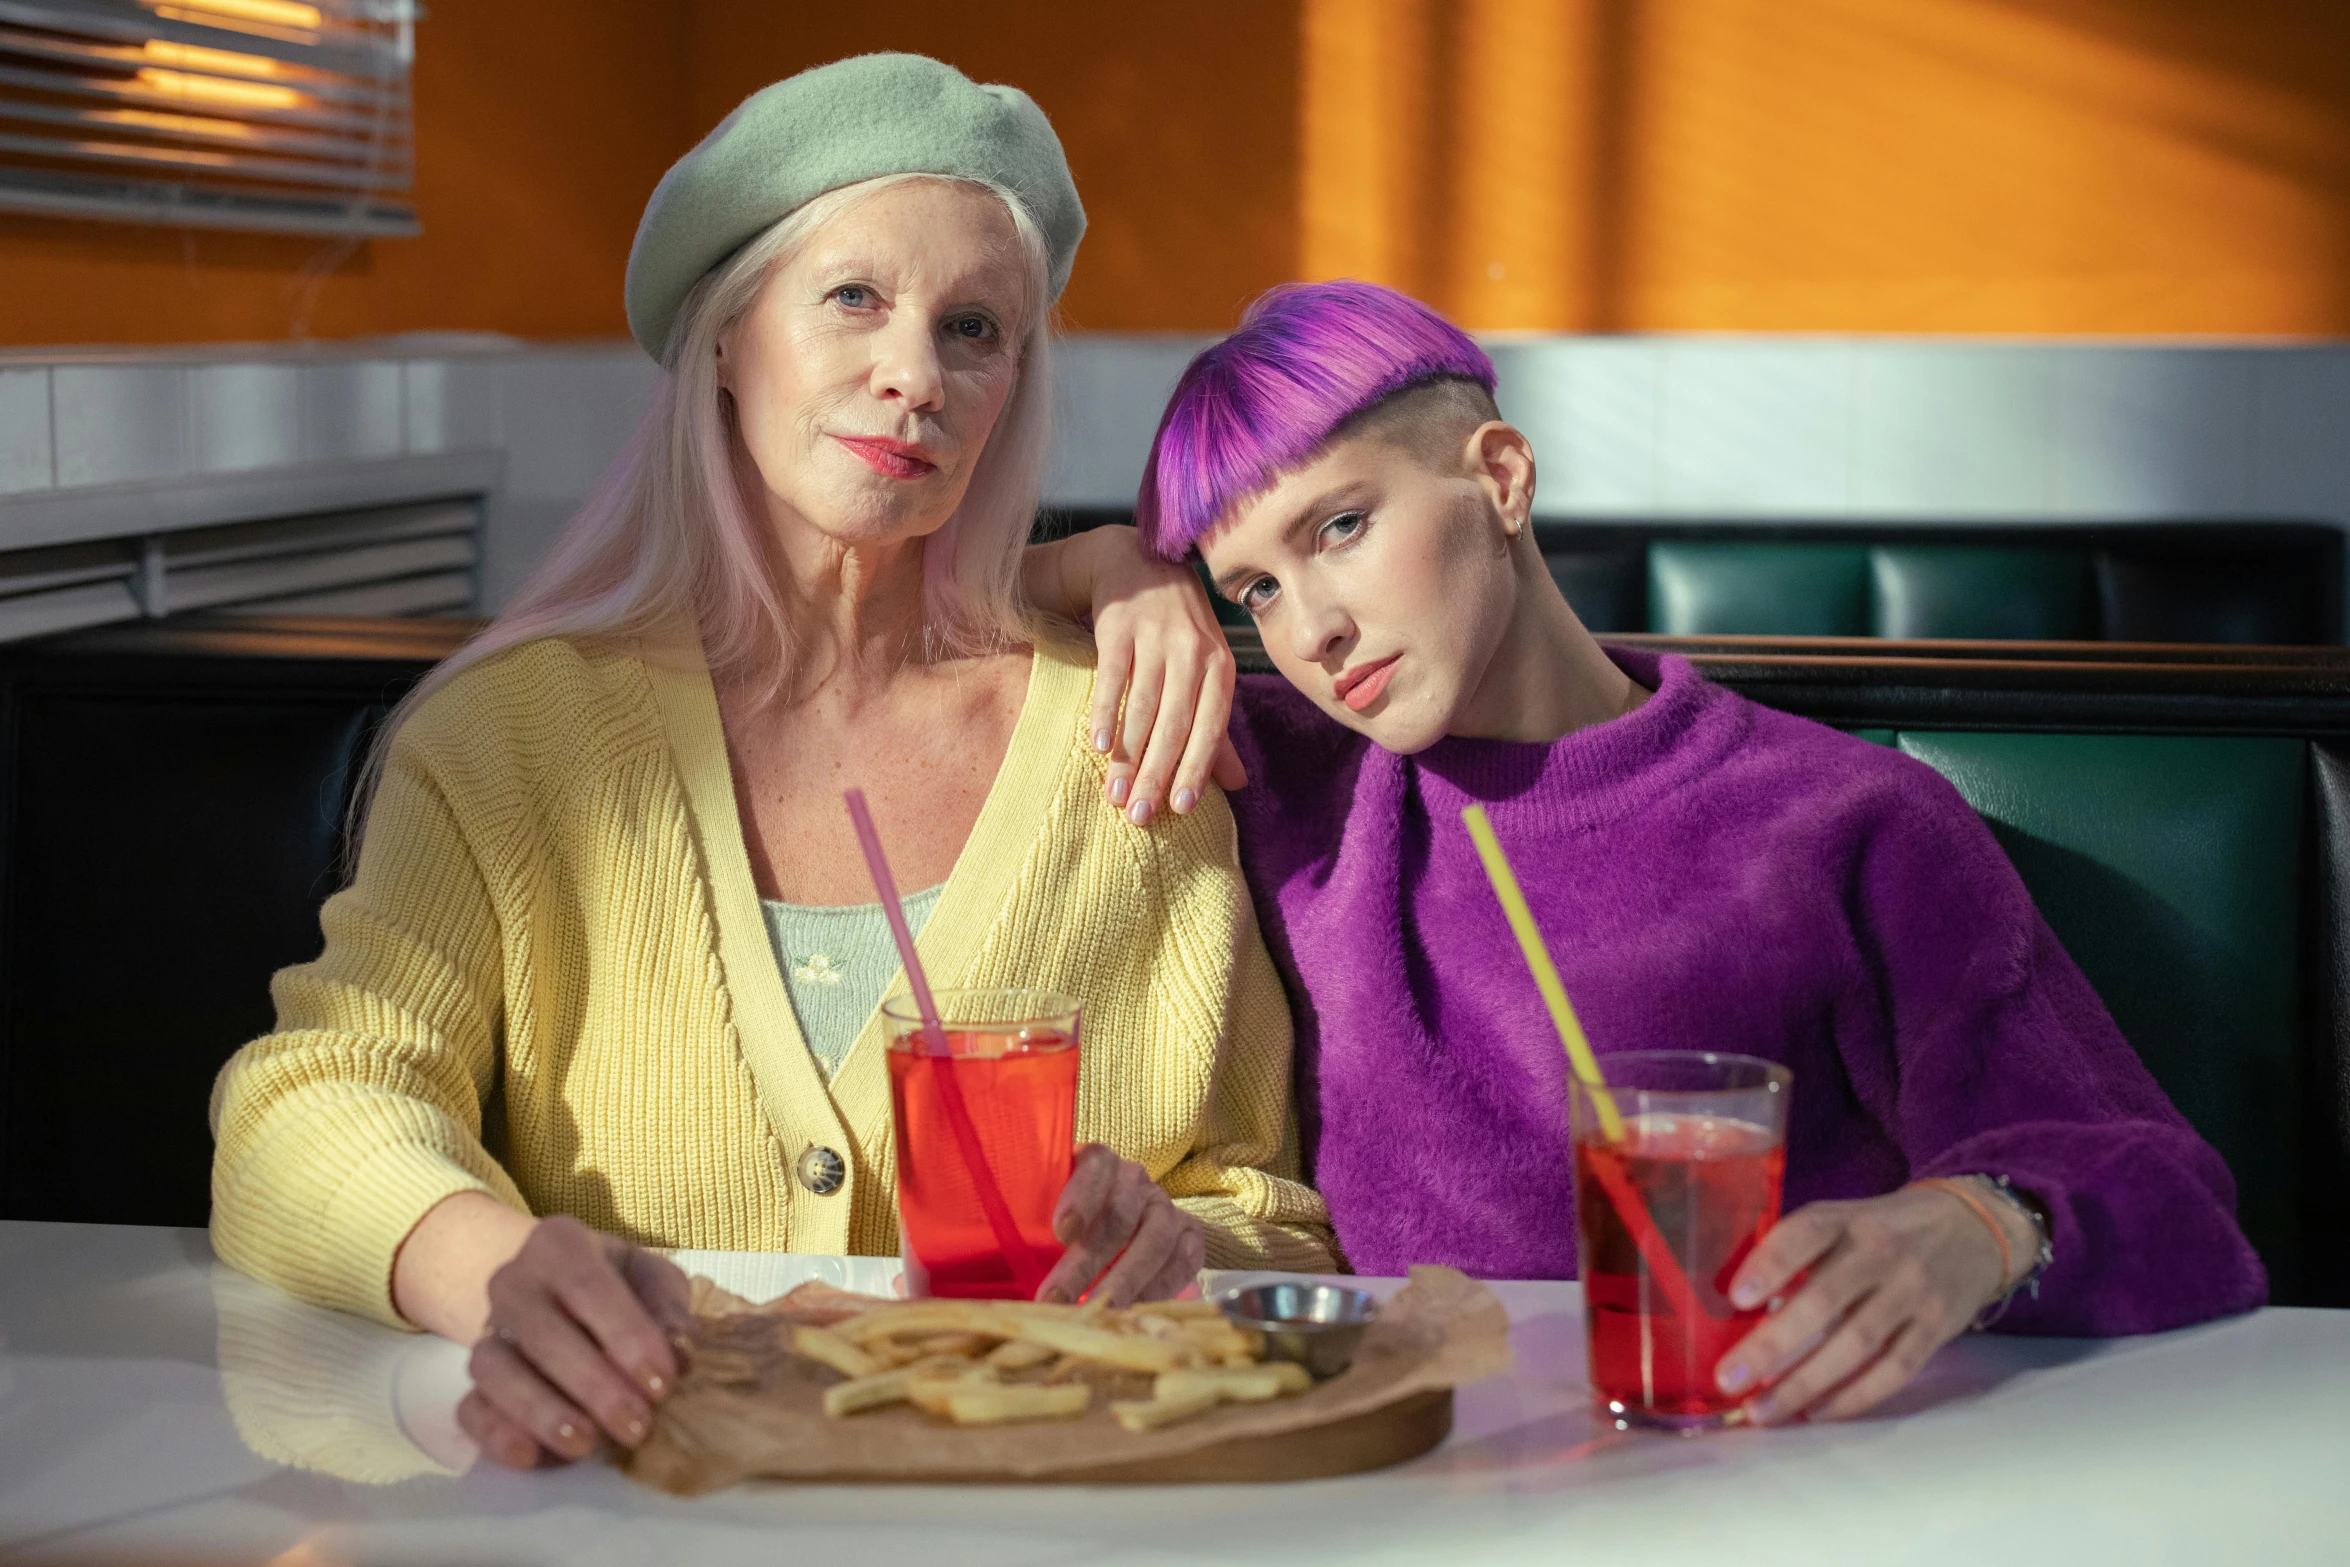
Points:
(2064, 166)
(542, 125)
(1179, 116)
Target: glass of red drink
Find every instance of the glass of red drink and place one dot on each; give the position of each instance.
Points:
(1011, 1058)
(1665, 1211)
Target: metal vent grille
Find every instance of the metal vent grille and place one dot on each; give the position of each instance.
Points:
(391, 560)
(291, 116)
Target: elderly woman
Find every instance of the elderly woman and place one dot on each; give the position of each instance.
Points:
(570, 1004)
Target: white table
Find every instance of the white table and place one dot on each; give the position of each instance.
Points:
(134, 1370)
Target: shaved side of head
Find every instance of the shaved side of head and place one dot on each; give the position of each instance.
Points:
(1432, 421)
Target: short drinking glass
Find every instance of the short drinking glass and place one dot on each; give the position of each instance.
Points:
(1670, 1196)
(1011, 1058)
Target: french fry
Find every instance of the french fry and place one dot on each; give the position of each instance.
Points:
(1127, 1351)
(991, 1317)
(843, 1399)
(829, 1348)
(1205, 1309)
(955, 1343)
(1148, 1414)
(1017, 1354)
(984, 1404)
(934, 1394)
(948, 1358)
(1252, 1385)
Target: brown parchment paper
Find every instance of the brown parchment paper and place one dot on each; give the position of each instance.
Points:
(747, 1407)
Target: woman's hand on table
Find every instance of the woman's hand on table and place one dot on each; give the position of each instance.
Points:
(1884, 1283)
(579, 1342)
(1161, 654)
(1113, 1215)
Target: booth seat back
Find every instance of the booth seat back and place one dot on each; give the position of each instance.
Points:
(169, 823)
(2239, 583)
(2171, 867)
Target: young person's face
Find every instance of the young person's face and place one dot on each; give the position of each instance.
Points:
(1382, 577)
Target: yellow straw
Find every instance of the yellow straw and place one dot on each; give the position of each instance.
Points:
(1546, 977)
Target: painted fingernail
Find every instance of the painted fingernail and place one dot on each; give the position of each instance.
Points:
(1117, 791)
(567, 1433)
(656, 1384)
(1140, 813)
(1185, 799)
(1745, 1297)
(1101, 739)
(1735, 1376)
(634, 1428)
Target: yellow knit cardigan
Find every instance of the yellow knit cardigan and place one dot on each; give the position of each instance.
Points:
(550, 980)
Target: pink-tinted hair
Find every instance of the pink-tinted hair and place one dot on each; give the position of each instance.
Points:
(1308, 357)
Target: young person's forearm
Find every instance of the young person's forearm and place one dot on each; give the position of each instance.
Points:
(1056, 577)
(441, 1275)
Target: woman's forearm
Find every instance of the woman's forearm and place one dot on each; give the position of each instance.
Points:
(1056, 579)
(441, 1275)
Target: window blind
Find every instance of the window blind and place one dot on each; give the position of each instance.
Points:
(291, 116)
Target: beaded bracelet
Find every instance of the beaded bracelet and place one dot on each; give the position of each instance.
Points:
(2030, 1278)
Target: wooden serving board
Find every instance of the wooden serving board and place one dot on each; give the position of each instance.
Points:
(750, 1408)
(1375, 1439)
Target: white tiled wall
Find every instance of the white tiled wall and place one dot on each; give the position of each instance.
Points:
(1930, 430)
(25, 458)
(115, 423)
(1924, 429)
(121, 426)
(351, 412)
(245, 416)
(565, 416)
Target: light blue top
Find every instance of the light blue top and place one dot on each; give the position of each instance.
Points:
(836, 963)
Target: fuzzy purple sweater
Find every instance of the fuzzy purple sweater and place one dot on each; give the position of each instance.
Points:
(1711, 875)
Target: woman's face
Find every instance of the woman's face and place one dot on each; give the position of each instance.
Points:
(1382, 582)
(870, 370)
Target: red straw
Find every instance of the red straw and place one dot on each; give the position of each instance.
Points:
(1663, 1266)
(991, 1197)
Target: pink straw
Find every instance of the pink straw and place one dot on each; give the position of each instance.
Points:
(934, 1035)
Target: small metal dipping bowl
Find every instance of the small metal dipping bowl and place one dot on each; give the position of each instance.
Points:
(1316, 1325)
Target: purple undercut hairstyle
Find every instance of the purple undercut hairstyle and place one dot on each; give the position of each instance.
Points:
(1308, 358)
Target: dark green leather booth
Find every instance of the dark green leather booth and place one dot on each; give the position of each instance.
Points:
(2170, 867)
(1764, 589)
(2182, 819)
(2181, 815)
(2233, 583)
(2259, 583)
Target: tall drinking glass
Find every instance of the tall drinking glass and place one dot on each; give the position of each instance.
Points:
(1665, 1213)
(1012, 1054)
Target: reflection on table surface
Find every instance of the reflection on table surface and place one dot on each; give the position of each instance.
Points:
(323, 1390)
(157, 1407)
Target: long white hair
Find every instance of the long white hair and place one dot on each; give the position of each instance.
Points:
(667, 539)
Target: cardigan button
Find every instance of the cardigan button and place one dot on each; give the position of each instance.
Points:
(822, 1171)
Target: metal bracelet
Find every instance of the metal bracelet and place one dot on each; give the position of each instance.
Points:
(2042, 1257)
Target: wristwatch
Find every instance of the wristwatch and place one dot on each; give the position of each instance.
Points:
(2037, 1212)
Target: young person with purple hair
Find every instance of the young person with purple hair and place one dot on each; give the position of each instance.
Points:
(1711, 874)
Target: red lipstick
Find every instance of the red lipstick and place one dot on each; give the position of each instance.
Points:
(891, 459)
(1360, 686)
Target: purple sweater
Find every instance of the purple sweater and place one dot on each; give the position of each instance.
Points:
(1713, 875)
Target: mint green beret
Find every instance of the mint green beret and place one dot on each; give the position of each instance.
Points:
(855, 119)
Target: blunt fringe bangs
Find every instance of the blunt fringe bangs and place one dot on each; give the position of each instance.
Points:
(1307, 358)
